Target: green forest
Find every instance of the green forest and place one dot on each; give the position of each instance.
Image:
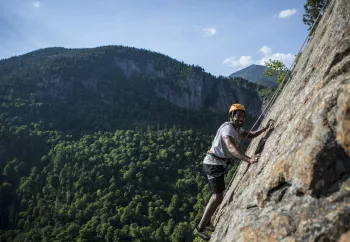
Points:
(101, 161)
(122, 186)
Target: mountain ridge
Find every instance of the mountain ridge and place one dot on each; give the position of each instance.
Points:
(254, 73)
(111, 75)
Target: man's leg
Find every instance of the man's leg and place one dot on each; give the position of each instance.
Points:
(217, 186)
(213, 203)
(215, 174)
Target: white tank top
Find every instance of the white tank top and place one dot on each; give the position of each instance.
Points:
(218, 147)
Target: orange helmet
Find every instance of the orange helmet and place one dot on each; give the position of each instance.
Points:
(236, 107)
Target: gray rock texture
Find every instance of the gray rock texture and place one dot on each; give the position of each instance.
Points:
(196, 92)
(300, 188)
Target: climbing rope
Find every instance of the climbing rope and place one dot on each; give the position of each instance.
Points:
(273, 98)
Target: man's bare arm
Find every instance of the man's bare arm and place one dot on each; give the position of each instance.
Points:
(253, 134)
(232, 148)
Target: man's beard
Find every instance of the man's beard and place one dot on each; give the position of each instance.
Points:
(239, 124)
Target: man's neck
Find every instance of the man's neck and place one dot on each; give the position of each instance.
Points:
(233, 125)
(237, 128)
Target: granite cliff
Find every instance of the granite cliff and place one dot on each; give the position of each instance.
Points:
(300, 188)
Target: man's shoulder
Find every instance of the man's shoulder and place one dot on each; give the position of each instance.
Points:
(226, 123)
(227, 127)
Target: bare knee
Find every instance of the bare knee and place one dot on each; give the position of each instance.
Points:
(218, 197)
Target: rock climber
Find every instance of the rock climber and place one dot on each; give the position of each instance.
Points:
(225, 146)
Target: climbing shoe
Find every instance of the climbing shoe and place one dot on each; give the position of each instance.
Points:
(209, 227)
(200, 233)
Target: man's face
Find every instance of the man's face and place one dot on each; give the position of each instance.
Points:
(239, 118)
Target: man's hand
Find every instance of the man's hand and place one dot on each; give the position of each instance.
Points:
(253, 134)
(270, 125)
(254, 159)
(232, 148)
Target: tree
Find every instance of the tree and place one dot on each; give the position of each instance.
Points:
(312, 10)
(276, 67)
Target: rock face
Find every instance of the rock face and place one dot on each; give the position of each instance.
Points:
(198, 92)
(195, 90)
(300, 188)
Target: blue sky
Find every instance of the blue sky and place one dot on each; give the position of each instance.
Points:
(222, 36)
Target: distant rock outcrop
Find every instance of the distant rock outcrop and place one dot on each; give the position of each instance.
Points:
(300, 188)
(195, 89)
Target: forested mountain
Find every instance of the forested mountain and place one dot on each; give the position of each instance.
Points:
(106, 144)
(115, 87)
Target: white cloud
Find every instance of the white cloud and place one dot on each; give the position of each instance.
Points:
(287, 59)
(209, 31)
(243, 61)
(267, 54)
(266, 51)
(287, 13)
(36, 4)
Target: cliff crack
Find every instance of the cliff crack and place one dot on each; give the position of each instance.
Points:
(277, 193)
(273, 195)
(342, 53)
